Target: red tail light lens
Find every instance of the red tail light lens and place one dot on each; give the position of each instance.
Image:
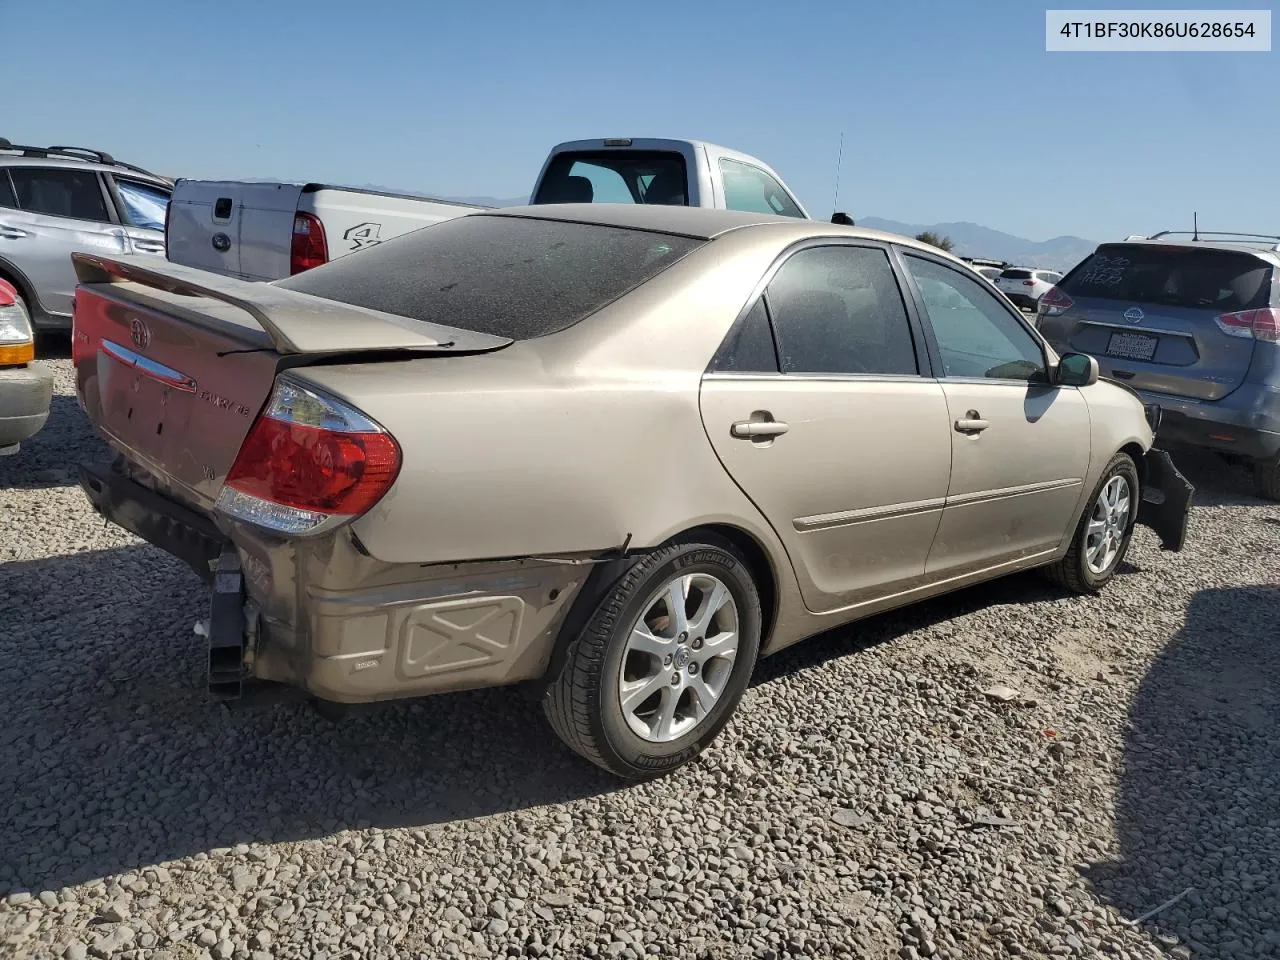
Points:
(1028, 283)
(309, 248)
(1261, 324)
(309, 462)
(1054, 302)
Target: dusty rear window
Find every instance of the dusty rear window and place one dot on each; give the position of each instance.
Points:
(511, 277)
(1172, 276)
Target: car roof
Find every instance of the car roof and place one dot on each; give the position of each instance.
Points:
(700, 223)
(71, 163)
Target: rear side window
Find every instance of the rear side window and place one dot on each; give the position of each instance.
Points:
(749, 347)
(514, 277)
(76, 194)
(751, 190)
(144, 205)
(623, 176)
(1221, 280)
(838, 310)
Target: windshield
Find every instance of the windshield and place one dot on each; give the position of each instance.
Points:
(1175, 276)
(514, 277)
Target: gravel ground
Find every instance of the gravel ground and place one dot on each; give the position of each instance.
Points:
(871, 798)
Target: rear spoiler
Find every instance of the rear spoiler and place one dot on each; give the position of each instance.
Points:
(296, 323)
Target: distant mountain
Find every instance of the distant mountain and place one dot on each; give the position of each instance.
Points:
(975, 240)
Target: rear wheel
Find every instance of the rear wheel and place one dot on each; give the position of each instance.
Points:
(1266, 477)
(662, 663)
(1102, 536)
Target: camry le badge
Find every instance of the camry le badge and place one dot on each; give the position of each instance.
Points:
(1133, 314)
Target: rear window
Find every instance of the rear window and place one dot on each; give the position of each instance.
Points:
(1173, 276)
(1016, 275)
(508, 276)
(623, 176)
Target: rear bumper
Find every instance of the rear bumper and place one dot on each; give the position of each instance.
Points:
(1166, 500)
(1022, 300)
(25, 395)
(189, 536)
(322, 616)
(1246, 423)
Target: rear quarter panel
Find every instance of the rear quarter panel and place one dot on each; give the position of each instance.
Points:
(355, 220)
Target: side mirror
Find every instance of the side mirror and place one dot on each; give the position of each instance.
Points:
(1077, 370)
(843, 219)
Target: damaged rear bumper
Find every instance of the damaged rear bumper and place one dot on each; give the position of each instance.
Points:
(1166, 500)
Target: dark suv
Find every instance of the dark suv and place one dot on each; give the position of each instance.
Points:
(1194, 327)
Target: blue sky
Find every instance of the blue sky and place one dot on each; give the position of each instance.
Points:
(949, 111)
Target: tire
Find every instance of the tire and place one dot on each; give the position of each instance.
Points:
(584, 702)
(1266, 478)
(1074, 571)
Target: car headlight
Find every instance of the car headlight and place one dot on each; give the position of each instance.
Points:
(17, 344)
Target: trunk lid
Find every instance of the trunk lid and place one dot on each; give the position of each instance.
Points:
(173, 365)
(1149, 314)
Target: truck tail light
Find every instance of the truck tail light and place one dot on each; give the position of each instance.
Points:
(1053, 302)
(308, 248)
(1261, 324)
(309, 463)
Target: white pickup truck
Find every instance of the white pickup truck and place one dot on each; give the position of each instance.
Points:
(267, 231)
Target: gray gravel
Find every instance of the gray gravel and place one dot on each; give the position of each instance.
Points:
(875, 797)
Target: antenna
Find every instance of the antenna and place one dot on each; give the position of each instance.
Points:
(835, 201)
(1195, 225)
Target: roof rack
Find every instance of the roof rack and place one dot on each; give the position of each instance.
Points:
(73, 153)
(1214, 233)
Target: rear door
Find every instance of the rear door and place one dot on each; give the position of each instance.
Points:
(1019, 448)
(1149, 313)
(1015, 282)
(840, 438)
(57, 211)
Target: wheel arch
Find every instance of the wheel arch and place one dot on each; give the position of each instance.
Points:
(604, 575)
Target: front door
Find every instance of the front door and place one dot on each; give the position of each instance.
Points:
(817, 409)
(48, 214)
(1020, 448)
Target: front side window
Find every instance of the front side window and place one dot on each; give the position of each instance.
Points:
(838, 310)
(76, 194)
(144, 205)
(977, 336)
(7, 199)
(751, 190)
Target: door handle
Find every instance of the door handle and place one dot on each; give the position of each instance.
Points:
(149, 246)
(749, 429)
(13, 233)
(971, 424)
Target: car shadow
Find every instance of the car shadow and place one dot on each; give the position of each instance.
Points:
(102, 720)
(50, 458)
(1197, 803)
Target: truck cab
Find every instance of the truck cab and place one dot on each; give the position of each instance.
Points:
(688, 173)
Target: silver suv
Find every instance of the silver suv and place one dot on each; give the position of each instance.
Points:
(56, 200)
(1194, 326)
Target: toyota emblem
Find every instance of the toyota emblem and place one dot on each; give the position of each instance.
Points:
(139, 334)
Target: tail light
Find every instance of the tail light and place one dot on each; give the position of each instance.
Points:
(1261, 324)
(309, 248)
(1053, 303)
(1028, 283)
(17, 343)
(309, 463)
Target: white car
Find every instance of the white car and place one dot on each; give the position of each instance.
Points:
(1026, 285)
